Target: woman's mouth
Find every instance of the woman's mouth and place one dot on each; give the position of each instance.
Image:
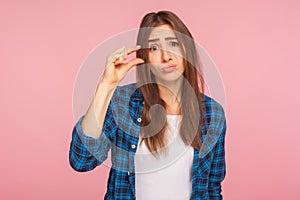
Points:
(168, 68)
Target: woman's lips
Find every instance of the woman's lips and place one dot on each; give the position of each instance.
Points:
(168, 68)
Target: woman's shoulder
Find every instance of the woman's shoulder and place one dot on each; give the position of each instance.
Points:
(215, 126)
(212, 107)
(127, 89)
(128, 92)
(214, 115)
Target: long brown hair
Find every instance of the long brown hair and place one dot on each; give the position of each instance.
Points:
(192, 109)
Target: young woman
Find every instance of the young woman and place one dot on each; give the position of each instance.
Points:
(165, 136)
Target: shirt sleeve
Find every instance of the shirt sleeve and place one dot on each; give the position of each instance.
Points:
(218, 167)
(86, 152)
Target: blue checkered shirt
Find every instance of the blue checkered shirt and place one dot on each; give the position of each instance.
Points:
(119, 140)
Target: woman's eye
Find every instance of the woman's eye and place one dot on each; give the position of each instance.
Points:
(174, 44)
(153, 48)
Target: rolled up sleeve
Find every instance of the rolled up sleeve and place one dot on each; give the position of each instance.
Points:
(86, 152)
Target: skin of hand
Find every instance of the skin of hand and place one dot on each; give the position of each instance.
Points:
(116, 69)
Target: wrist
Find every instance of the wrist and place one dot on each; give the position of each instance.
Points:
(104, 86)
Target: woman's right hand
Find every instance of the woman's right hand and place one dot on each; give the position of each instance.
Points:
(115, 69)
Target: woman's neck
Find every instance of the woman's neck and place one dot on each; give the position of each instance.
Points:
(171, 94)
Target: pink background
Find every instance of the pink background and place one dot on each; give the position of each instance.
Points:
(255, 45)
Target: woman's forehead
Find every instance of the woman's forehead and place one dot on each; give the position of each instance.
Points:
(162, 31)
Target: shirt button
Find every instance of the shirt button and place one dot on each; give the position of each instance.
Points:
(139, 119)
(133, 146)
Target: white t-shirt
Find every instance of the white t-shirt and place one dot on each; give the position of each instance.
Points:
(168, 177)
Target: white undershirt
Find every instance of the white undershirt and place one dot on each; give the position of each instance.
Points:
(168, 177)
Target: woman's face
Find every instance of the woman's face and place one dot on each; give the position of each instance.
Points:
(165, 54)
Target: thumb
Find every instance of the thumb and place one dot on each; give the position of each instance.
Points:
(133, 63)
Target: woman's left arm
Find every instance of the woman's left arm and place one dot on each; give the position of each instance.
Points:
(218, 167)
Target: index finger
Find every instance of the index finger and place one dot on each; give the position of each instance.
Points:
(132, 49)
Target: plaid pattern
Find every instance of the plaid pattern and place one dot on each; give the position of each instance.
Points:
(120, 136)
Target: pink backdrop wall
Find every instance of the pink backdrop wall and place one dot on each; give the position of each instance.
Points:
(255, 45)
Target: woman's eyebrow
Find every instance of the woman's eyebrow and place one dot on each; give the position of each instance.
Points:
(170, 38)
(157, 39)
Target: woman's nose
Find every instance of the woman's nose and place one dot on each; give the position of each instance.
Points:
(166, 56)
